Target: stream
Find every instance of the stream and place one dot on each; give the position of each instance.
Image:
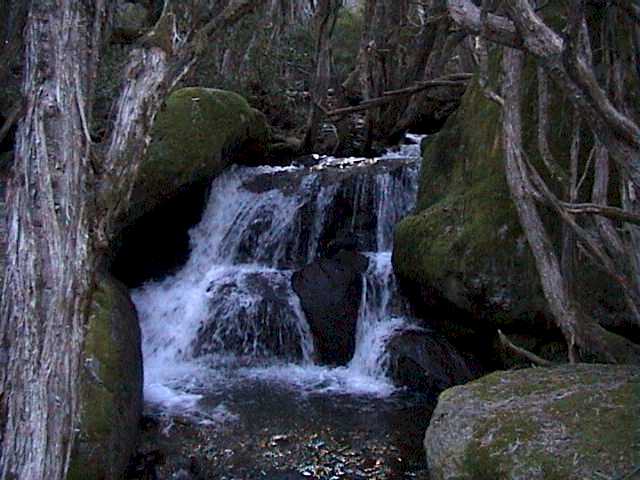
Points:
(233, 384)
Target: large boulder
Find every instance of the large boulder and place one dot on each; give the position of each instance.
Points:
(330, 290)
(424, 361)
(569, 422)
(192, 141)
(111, 386)
(462, 255)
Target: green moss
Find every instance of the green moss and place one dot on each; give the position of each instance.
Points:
(111, 386)
(491, 459)
(466, 224)
(605, 425)
(192, 141)
(569, 422)
(196, 125)
(464, 242)
(537, 381)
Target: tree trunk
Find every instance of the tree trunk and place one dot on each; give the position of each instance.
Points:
(64, 196)
(578, 329)
(323, 24)
(50, 260)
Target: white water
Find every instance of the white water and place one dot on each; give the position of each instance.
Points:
(230, 314)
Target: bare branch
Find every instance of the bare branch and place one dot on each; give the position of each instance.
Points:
(532, 357)
(543, 42)
(609, 212)
(391, 95)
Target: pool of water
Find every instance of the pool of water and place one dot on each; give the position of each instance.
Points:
(266, 430)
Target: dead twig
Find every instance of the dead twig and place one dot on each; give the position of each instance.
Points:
(532, 357)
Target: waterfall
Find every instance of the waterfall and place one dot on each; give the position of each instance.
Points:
(231, 313)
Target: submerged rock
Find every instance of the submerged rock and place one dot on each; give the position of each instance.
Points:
(111, 386)
(330, 291)
(570, 422)
(424, 361)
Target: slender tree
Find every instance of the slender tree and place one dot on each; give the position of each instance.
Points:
(606, 233)
(63, 196)
(324, 22)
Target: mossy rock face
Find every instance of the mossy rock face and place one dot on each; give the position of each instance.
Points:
(111, 386)
(464, 247)
(569, 422)
(192, 141)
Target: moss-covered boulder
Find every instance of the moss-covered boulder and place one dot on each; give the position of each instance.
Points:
(463, 251)
(570, 422)
(111, 386)
(192, 141)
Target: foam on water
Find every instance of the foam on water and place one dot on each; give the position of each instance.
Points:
(230, 315)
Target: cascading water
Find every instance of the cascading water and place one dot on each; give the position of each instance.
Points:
(231, 315)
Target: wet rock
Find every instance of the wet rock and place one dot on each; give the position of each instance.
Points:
(251, 314)
(425, 361)
(570, 422)
(330, 290)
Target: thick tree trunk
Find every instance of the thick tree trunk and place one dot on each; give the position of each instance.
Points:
(64, 197)
(50, 260)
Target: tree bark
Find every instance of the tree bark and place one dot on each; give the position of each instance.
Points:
(324, 24)
(50, 261)
(63, 198)
(578, 329)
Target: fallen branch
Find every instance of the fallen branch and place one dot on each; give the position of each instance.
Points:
(424, 86)
(392, 95)
(532, 357)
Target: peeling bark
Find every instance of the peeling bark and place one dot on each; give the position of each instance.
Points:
(50, 262)
(63, 197)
